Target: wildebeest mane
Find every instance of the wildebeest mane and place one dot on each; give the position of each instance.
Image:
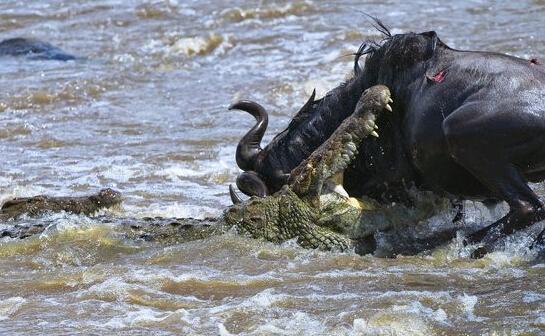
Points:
(370, 46)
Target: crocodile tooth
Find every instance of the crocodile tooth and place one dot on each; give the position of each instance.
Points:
(390, 100)
(375, 134)
(388, 107)
(339, 189)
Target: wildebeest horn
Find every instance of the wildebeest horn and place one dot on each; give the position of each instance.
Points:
(234, 197)
(249, 145)
(251, 184)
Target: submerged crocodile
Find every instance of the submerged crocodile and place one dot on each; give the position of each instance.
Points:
(313, 208)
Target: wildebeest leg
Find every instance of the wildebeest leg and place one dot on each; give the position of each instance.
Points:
(506, 181)
(539, 241)
(525, 209)
(492, 161)
(458, 205)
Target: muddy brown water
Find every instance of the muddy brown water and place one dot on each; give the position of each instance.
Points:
(146, 113)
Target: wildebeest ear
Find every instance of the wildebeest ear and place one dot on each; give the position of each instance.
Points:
(432, 35)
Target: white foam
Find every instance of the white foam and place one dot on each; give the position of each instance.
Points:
(442, 296)
(119, 173)
(195, 45)
(147, 317)
(10, 306)
(412, 319)
(20, 191)
(223, 331)
(174, 210)
(6, 181)
(264, 299)
(63, 221)
(206, 170)
(113, 287)
(396, 326)
(176, 172)
(540, 321)
(418, 308)
(175, 43)
(468, 302)
(531, 297)
(297, 324)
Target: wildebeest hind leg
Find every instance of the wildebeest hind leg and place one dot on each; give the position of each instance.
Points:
(539, 241)
(505, 181)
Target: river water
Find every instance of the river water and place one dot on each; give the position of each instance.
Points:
(146, 113)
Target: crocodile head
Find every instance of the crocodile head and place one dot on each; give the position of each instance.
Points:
(261, 217)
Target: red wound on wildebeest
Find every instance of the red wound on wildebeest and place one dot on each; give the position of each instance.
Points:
(439, 77)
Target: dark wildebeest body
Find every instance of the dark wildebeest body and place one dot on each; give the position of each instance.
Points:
(34, 49)
(466, 123)
(472, 124)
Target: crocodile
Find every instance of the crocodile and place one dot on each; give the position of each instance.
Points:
(39, 205)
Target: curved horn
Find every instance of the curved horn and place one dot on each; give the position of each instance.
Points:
(249, 145)
(251, 184)
(234, 196)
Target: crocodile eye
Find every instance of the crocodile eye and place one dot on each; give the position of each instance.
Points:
(256, 221)
(254, 200)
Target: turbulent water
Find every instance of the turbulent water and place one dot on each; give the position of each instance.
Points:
(145, 112)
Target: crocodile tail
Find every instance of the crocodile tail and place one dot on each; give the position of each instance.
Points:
(250, 145)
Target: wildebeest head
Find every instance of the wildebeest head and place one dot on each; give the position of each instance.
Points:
(397, 59)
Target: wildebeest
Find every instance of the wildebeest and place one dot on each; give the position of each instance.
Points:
(470, 124)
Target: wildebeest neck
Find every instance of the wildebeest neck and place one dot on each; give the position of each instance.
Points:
(311, 128)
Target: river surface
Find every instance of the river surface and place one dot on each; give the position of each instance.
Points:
(146, 113)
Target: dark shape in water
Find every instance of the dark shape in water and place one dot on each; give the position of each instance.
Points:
(33, 49)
